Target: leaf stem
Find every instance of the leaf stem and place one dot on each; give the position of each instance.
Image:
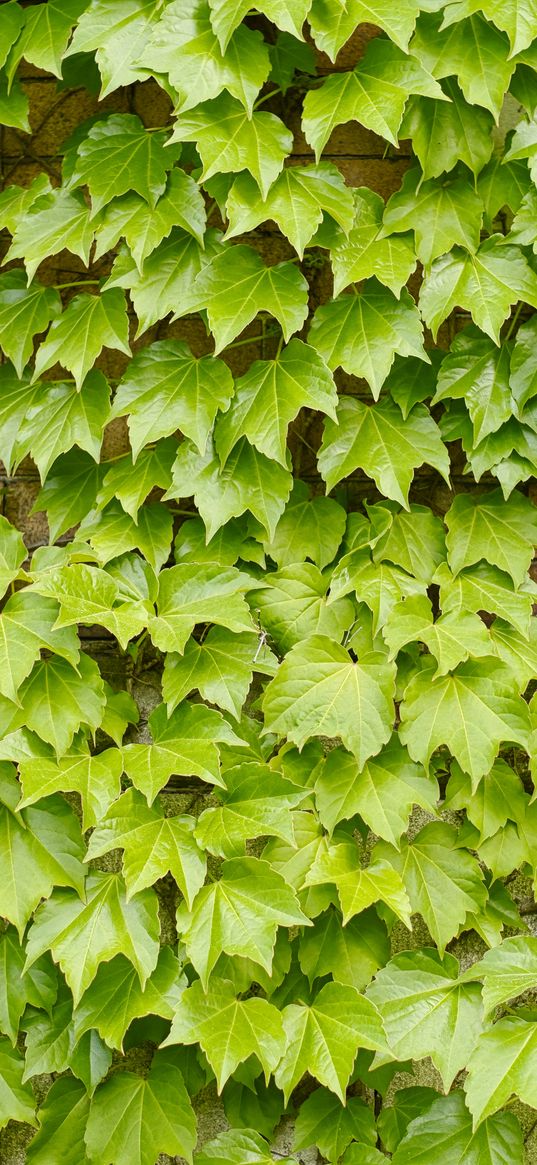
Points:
(513, 323)
(266, 97)
(76, 283)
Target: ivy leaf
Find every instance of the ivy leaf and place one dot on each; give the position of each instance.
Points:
(81, 935)
(220, 668)
(69, 491)
(357, 887)
(50, 1042)
(17, 1101)
(167, 282)
(226, 15)
(330, 34)
(350, 953)
(190, 594)
(38, 987)
(427, 1011)
(89, 596)
(24, 311)
(12, 553)
(366, 252)
(374, 94)
(471, 712)
(451, 639)
(440, 214)
(166, 388)
(484, 588)
(444, 882)
(486, 284)
(375, 438)
(132, 1119)
(186, 48)
(396, 1117)
(478, 372)
(17, 396)
(240, 915)
(415, 541)
(119, 34)
(379, 585)
(498, 797)
(446, 1130)
(517, 20)
(487, 526)
(256, 804)
(361, 333)
(96, 778)
(111, 532)
(115, 997)
(270, 395)
(228, 140)
(117, 155)
(296, 202)
(238, 1147)
(54, 683)
(325, 1122)
(12, 22)
(471, 50)
(88, 324)
(248, 481)
(45, 34)
(319, 691)
(507, 970)
(293, 606)
(60, 416)
(184, 745)
(500, 1066)
(446, 132)
(308, 528)
(144, 227)
(153, 845)
(382, 792)
(55, 221)
(523, 379)
(131, 484)
(41, 847)
(236, 285)
(323, 1038)
(228, 1030)
(62, 1122)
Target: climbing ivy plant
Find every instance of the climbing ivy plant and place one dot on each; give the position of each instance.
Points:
(258, 881)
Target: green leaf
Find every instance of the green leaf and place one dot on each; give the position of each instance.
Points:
(488, 527)
(332, 28)
(14, 105)
(471, 712)
(350, 953)
(308, 528)
(60, 416)
(289, 56)
(378, 585)
(184, 745)
(12, 22)
(54, 221)
(38, 987)
(517, 20)
(374, 94)
(484, 588)
(523, 379)
(361, 333)
(293, 606)
(270, 395)
(153, 845)
(62, 1124)
(323, 1038)
(69, 491)
(220, 668)
(240, 915)
(325, 1122)
(24, 311)
(117, 155)
(296, 202)
(41, 848)
(132, 483)
(427, 1011)
(144, 228)
(89, 596)
(289, 15)
(357, 887)
(256, 804)
(88, 324)
(167, 282)
(506, 971)
(115, 997)
(190, 594)
(13, 552)
(54, 683)
(119, 32)
(111, 532)
(444, 882)
(382, 792)
(319, 691)
(236, 285)
(366, 252)
(498, 797)
(375, 438)
(248, 481)
(96, 778)
(17, 397)
(45, 34)
(471, 50)
(440, 214)
(238, 1147)
(229, 1030)
(166, 388)
(81, 935)
(228, 140)
(17, 1101)
(185, 47)
(502, 1066)
(445, 1130)
(415, 541)
(486, 284)
(51, 1045)
(478, 372)
(451, 639)
(132, 1119)
(446, 132)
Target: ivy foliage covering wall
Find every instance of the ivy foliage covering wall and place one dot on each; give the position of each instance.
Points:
(345, 669)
